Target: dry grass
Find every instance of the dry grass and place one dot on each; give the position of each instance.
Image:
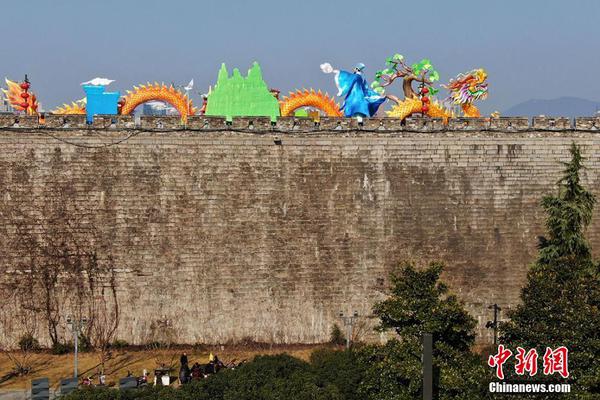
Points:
(58, 367)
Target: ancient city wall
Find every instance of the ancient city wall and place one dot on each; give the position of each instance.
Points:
(268, 231)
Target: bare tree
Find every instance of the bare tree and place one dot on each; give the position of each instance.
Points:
(60, 266)
(104, 320)
(20, 343)
(160, 338)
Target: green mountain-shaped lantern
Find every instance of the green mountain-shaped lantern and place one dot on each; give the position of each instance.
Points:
(242, 97)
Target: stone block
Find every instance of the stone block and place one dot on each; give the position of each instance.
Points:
(54, 121)
(587, 123)
(26, 121)
(76, 121)
(258, 124)
(114, 122)
(161, 122)
(509, 124)
(468, 124)
(382, 124)
(7, 120)
(420, 124)
(72, 121)
(291, 124)
(206, 122)
(551, 123)
(334, 123)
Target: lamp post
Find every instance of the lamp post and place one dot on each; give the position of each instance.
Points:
(494, 324)
(427, 360)
(76, 325)
(349, 322)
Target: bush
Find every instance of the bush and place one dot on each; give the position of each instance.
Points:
(337, 337)
(62, 348)
(146, 393)
(341, 369)
(155, 345)
(119, 344)
(84, 344)
(264, 378)
(29, 343)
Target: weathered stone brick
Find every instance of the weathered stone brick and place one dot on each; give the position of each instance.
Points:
(509, 123)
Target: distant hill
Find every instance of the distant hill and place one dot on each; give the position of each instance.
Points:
(561, 107)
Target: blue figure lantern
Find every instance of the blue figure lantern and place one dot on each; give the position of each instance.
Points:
(359, 99)
(100, 102)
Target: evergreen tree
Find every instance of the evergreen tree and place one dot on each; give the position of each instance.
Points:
(561, 299)
(419, 303)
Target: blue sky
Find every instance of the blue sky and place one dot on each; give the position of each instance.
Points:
(530, 48)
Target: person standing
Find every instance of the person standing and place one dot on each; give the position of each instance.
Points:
(184, 359)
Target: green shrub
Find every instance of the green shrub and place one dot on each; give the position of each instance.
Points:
(84, 344)
(341, 369)
(119, 344)
(264, 378)
(29, 343)
(62, 348)
(337, 336)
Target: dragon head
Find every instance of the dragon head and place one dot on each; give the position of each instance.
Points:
(466, 88)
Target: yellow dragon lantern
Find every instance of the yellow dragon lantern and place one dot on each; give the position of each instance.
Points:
(157, 92)
(464, 90)
(76, 107)
(139, 95)
(309, 98)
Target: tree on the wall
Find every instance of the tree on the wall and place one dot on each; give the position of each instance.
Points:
(422, 72)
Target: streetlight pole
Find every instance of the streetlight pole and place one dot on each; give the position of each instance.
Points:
(427, 359)
(349, 322)
(76, 326)
(494, 324)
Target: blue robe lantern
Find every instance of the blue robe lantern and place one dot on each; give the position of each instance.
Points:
(360, 99)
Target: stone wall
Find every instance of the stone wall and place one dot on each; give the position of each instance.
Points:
(261, 231)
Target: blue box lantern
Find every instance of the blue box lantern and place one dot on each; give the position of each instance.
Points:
(100, 102)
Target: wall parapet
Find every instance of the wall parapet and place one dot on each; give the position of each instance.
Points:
(300, 124)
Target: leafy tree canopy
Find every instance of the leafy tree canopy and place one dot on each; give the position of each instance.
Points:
(419, 303)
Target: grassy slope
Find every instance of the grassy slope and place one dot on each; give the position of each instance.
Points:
(58, 367)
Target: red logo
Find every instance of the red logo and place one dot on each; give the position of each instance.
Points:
(526, 362)
(499, 359)
(555, 361)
